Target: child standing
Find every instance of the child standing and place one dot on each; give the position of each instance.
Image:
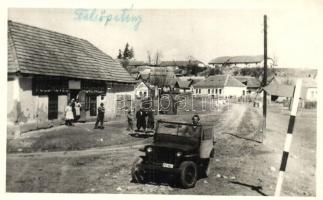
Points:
(69, 115)
(130, 121)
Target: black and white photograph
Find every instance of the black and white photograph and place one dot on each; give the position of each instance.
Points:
(163, 101)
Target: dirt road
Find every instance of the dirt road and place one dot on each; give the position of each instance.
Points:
(239, 167)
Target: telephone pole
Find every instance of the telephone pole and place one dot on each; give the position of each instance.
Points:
(264, 81)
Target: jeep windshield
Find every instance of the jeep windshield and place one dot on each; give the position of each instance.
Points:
(178, 129)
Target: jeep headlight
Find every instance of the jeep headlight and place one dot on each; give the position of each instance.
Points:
(149, 149)
(179, 154)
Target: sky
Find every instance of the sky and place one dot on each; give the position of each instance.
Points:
(203, 34)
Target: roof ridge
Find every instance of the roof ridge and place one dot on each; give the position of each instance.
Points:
(99, 66)
(45, 30)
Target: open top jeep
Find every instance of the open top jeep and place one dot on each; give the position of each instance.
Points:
(179, 149)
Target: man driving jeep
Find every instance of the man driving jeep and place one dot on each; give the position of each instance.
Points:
(196, 129)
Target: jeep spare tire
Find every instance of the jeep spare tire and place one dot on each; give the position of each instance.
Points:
(188, 174)
(137, 174)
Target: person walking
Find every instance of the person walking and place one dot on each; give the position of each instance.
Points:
(77, 110)
(69, 115)
(100, 117)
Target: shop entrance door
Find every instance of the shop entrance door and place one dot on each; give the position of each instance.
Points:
(81, 96)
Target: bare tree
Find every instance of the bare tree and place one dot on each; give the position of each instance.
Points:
(149, 57)
(158, 56)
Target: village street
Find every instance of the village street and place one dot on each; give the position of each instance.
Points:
(243, 165)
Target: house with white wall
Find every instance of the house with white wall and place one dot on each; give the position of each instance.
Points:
(220, 85)
(144, 89)
(47, 69)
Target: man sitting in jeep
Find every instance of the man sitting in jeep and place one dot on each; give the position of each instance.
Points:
(195, 130)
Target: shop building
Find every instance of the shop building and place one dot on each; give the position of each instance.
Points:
(47, 69)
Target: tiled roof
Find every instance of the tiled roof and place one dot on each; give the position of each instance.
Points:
(237, 59)
(44, 52)
(184, 84)
(219, 81)
(251, 82)
(279, 89)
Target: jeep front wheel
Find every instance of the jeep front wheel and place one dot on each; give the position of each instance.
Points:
(137, 174)
(188, 174)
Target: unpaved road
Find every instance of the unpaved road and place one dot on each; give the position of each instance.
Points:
(107, 170)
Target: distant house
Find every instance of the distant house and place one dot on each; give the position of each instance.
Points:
(183, 68)
(282, 87)
(221, 85)
(163, 77)
(182, 64)
(144, 89)
(310, 89)
(240, 61)
(183, 86)
(252, 83)
(47, 69)
(144, 75)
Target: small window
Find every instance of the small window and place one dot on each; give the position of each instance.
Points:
(213, 91)
(200, 91)
(220, 91)
(52, 107)
(216, 91)
(208, 91)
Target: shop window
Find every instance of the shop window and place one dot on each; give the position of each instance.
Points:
(52, 106)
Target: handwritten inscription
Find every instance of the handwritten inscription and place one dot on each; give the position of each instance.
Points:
(105, 17)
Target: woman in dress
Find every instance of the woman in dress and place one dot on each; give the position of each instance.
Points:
(69, 115)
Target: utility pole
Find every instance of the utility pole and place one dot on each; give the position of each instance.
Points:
(264, 80)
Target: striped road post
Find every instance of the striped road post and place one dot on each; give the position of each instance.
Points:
(289, 136)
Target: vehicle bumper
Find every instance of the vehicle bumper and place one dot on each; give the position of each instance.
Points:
(152, 167)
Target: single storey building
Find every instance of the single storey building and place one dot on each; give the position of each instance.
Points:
(241, 61)
(220, 85)
(47, 69)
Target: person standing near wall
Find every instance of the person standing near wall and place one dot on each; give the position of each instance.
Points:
(77, 110)
(141, 119)
(69, 115)
(130, 121)
(73, 108)
(100, 117)
(150, 121)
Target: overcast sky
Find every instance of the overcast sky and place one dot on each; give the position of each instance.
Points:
(294, 37)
